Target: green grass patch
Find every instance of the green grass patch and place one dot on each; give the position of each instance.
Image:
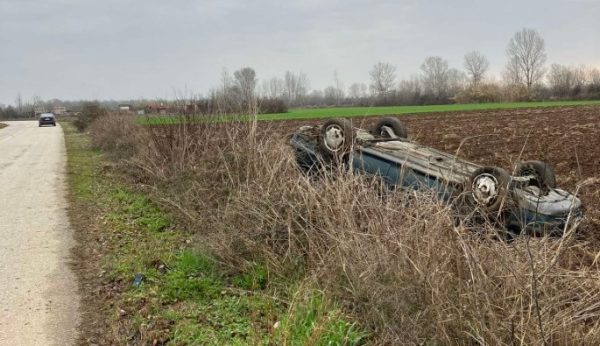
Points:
(142, 211)
(181, 295)
(82, 165)
(330, 112)
(317, 113)
(3, 125)
(255, 278)
(315, 320)
(190, 276)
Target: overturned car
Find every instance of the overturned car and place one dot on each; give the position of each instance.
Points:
(526, 200)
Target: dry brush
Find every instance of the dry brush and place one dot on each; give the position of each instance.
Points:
(395, 260)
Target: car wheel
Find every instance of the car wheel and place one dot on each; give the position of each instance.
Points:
(543, 172)
(488, 188)
(336, 138)
(393, 124)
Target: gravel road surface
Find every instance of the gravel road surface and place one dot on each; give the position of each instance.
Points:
(38, 291)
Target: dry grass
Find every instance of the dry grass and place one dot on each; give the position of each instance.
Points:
(118, 135)
(396, 263)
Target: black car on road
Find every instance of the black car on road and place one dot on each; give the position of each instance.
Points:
(47, 119)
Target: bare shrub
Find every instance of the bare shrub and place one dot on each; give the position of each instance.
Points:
(90, 111)
(402, 268)
(270, 106)
(117, 134)
(393, 259)
(479, 93)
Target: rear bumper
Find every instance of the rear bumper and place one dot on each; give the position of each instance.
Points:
(47, 122)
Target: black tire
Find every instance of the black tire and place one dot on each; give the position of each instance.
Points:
(396, 125)
(488, 188)
(545, 176)
(336, 138)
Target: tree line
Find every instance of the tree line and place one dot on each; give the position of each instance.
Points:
(525, 77)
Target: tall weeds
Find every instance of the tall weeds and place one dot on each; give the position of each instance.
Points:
(394, 260)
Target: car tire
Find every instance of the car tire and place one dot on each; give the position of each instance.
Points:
(543, 172)
(489, 188)
(336, 138)
(396, 125)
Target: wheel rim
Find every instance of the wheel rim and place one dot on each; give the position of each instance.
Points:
(485, 189)
(334, 138)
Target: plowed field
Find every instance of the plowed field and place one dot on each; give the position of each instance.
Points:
(568, 138)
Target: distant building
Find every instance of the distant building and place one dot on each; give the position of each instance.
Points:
(59, 110)
(190, 108)
(156, 108)
(125, 108)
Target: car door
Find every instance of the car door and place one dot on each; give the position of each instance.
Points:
(373, 165)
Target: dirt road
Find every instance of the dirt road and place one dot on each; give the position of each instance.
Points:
(38, 292)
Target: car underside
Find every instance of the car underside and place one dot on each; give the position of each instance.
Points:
(528, 199)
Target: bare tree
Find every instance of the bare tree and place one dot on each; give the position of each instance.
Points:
(435, 77)
(357, 91)
(19, 103)
(512, 73)
(296, 87)
(331, 95)
(527, 53)
(476, 65)
(246, 84)
(559, 79)
(302, 86)
(409, 90)
(580, 76)
(383, 76)
(567, 80)
(315, 97)
(38, 104)
(290, 82)
(223, 97)
(593, 78)
(339, 85)
(273, 88)
(456, 81)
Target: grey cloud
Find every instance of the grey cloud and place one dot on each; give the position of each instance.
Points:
(145, 48)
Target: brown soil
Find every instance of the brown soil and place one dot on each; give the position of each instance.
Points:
(566, 137)
(87, 263)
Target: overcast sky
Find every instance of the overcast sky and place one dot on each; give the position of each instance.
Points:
(121, 49)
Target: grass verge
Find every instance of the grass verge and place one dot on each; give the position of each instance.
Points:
(329, 112)
(2, 125)
(143, 283)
